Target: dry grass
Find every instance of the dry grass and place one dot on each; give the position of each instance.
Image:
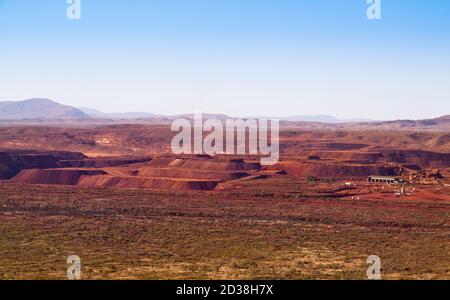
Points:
(272, 229)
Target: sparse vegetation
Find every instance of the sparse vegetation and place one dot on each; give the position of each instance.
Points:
(141, 234)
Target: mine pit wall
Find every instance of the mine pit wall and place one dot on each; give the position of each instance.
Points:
(187, 173)
(100, 178)
(363, 157)
(100, 163)
(218, 166)
(9, 166)
(204, 164)
(148, 183)
(12, 162)
(335, 171)
(167, 173)
(54, 176)
(423, 159)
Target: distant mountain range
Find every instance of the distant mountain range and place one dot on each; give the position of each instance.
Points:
(322, 119)
(45, 110)
(38, 109)
(130, 115)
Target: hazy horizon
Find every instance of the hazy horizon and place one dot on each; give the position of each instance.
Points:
(241, 58)
(314, 117)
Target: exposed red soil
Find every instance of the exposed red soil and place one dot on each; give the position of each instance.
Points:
(54, 176)
(423, 159)
(101, 162)
(340, 155)
(321, 154)
(205, 164)
(188, 173)
(164, 173)
(161, 162)
(232, 166)
(13, 161)
(324, 170)
(147, 183)
(135, 139)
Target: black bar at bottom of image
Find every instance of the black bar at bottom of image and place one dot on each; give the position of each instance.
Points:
(224, 289)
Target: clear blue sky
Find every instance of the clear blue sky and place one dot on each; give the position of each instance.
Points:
(238, 57)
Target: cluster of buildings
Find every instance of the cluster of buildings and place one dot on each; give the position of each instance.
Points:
(385, 179)
(428, 176)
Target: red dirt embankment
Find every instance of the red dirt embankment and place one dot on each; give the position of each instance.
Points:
(355, 156)
(186, 173)
(423, 159)
(231, 166)
(199, 168)
(166, 173)
(204, 164)
(100, 178)
(13, 161)
(334, 170)
(54, 176)
(101, 162)
(416, 158)
(148, 183)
